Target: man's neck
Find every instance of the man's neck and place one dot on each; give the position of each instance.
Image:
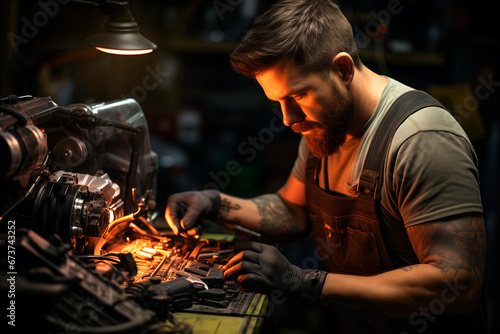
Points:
(366, 89)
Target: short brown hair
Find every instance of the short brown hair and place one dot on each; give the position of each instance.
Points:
(308, 32)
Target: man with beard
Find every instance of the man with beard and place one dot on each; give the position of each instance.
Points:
(385, 178)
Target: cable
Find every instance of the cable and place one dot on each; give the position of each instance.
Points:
(30, 190)
(125, 220)
(98, 258)
(145, 234)
(11, 99)
(149, 225)
(14, 113)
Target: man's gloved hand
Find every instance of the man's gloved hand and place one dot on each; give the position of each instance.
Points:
(186, 209)
(262, 268)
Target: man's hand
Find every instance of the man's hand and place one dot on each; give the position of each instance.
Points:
(186, 209)
(260, 267)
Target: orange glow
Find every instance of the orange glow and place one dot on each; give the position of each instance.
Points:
(149, 250)
(144, 255)
(125, 52)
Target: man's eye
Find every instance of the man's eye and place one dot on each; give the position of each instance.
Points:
(298, 97)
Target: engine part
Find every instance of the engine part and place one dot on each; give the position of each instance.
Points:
(77, 207)
(97, 154)
(57, 292)
(70, 153)
(23, 150)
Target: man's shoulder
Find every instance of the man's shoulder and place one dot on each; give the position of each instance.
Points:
(425, 119)
(392, 91)
(430, 119)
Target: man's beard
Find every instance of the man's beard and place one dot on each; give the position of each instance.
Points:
(331, 132)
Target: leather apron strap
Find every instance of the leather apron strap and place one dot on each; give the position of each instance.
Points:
(405, 105)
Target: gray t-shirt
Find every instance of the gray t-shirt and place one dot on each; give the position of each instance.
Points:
(430, 172)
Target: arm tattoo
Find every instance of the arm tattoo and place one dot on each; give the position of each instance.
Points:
(409, 268)
(225, 209)
(276, 220)
(458, 244)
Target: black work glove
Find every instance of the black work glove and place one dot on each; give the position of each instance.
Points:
(186, 209)
(262, 268)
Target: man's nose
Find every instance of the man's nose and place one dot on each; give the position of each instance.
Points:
(292, 113)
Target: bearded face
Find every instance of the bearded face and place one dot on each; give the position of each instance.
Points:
(314, 105)
(324, 137)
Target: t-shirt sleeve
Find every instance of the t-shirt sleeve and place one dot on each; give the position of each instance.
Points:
(299, 167)
(434, 176)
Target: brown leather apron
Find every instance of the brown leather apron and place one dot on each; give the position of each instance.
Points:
(348, 232)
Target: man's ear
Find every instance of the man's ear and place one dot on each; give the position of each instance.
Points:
(343, 65)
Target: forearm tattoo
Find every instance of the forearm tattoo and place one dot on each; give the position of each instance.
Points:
(275, 218)
(459, 244)
(225, 209)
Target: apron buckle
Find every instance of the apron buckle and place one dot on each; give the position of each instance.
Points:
(368, 182)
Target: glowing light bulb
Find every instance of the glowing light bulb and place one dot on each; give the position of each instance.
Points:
(125, 52)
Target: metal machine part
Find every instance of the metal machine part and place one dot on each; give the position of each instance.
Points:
(77, 207)
(72, 170)
(119, 146)
(57, 292)
(23, 144)
(70, 152)
(23, 150)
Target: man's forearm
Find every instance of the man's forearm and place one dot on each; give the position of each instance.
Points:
(404, 292)
(266, 214)
(449, 278)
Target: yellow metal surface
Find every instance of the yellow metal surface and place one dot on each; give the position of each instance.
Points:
(217, 324)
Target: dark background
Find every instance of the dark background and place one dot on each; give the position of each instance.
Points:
(201, 114)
